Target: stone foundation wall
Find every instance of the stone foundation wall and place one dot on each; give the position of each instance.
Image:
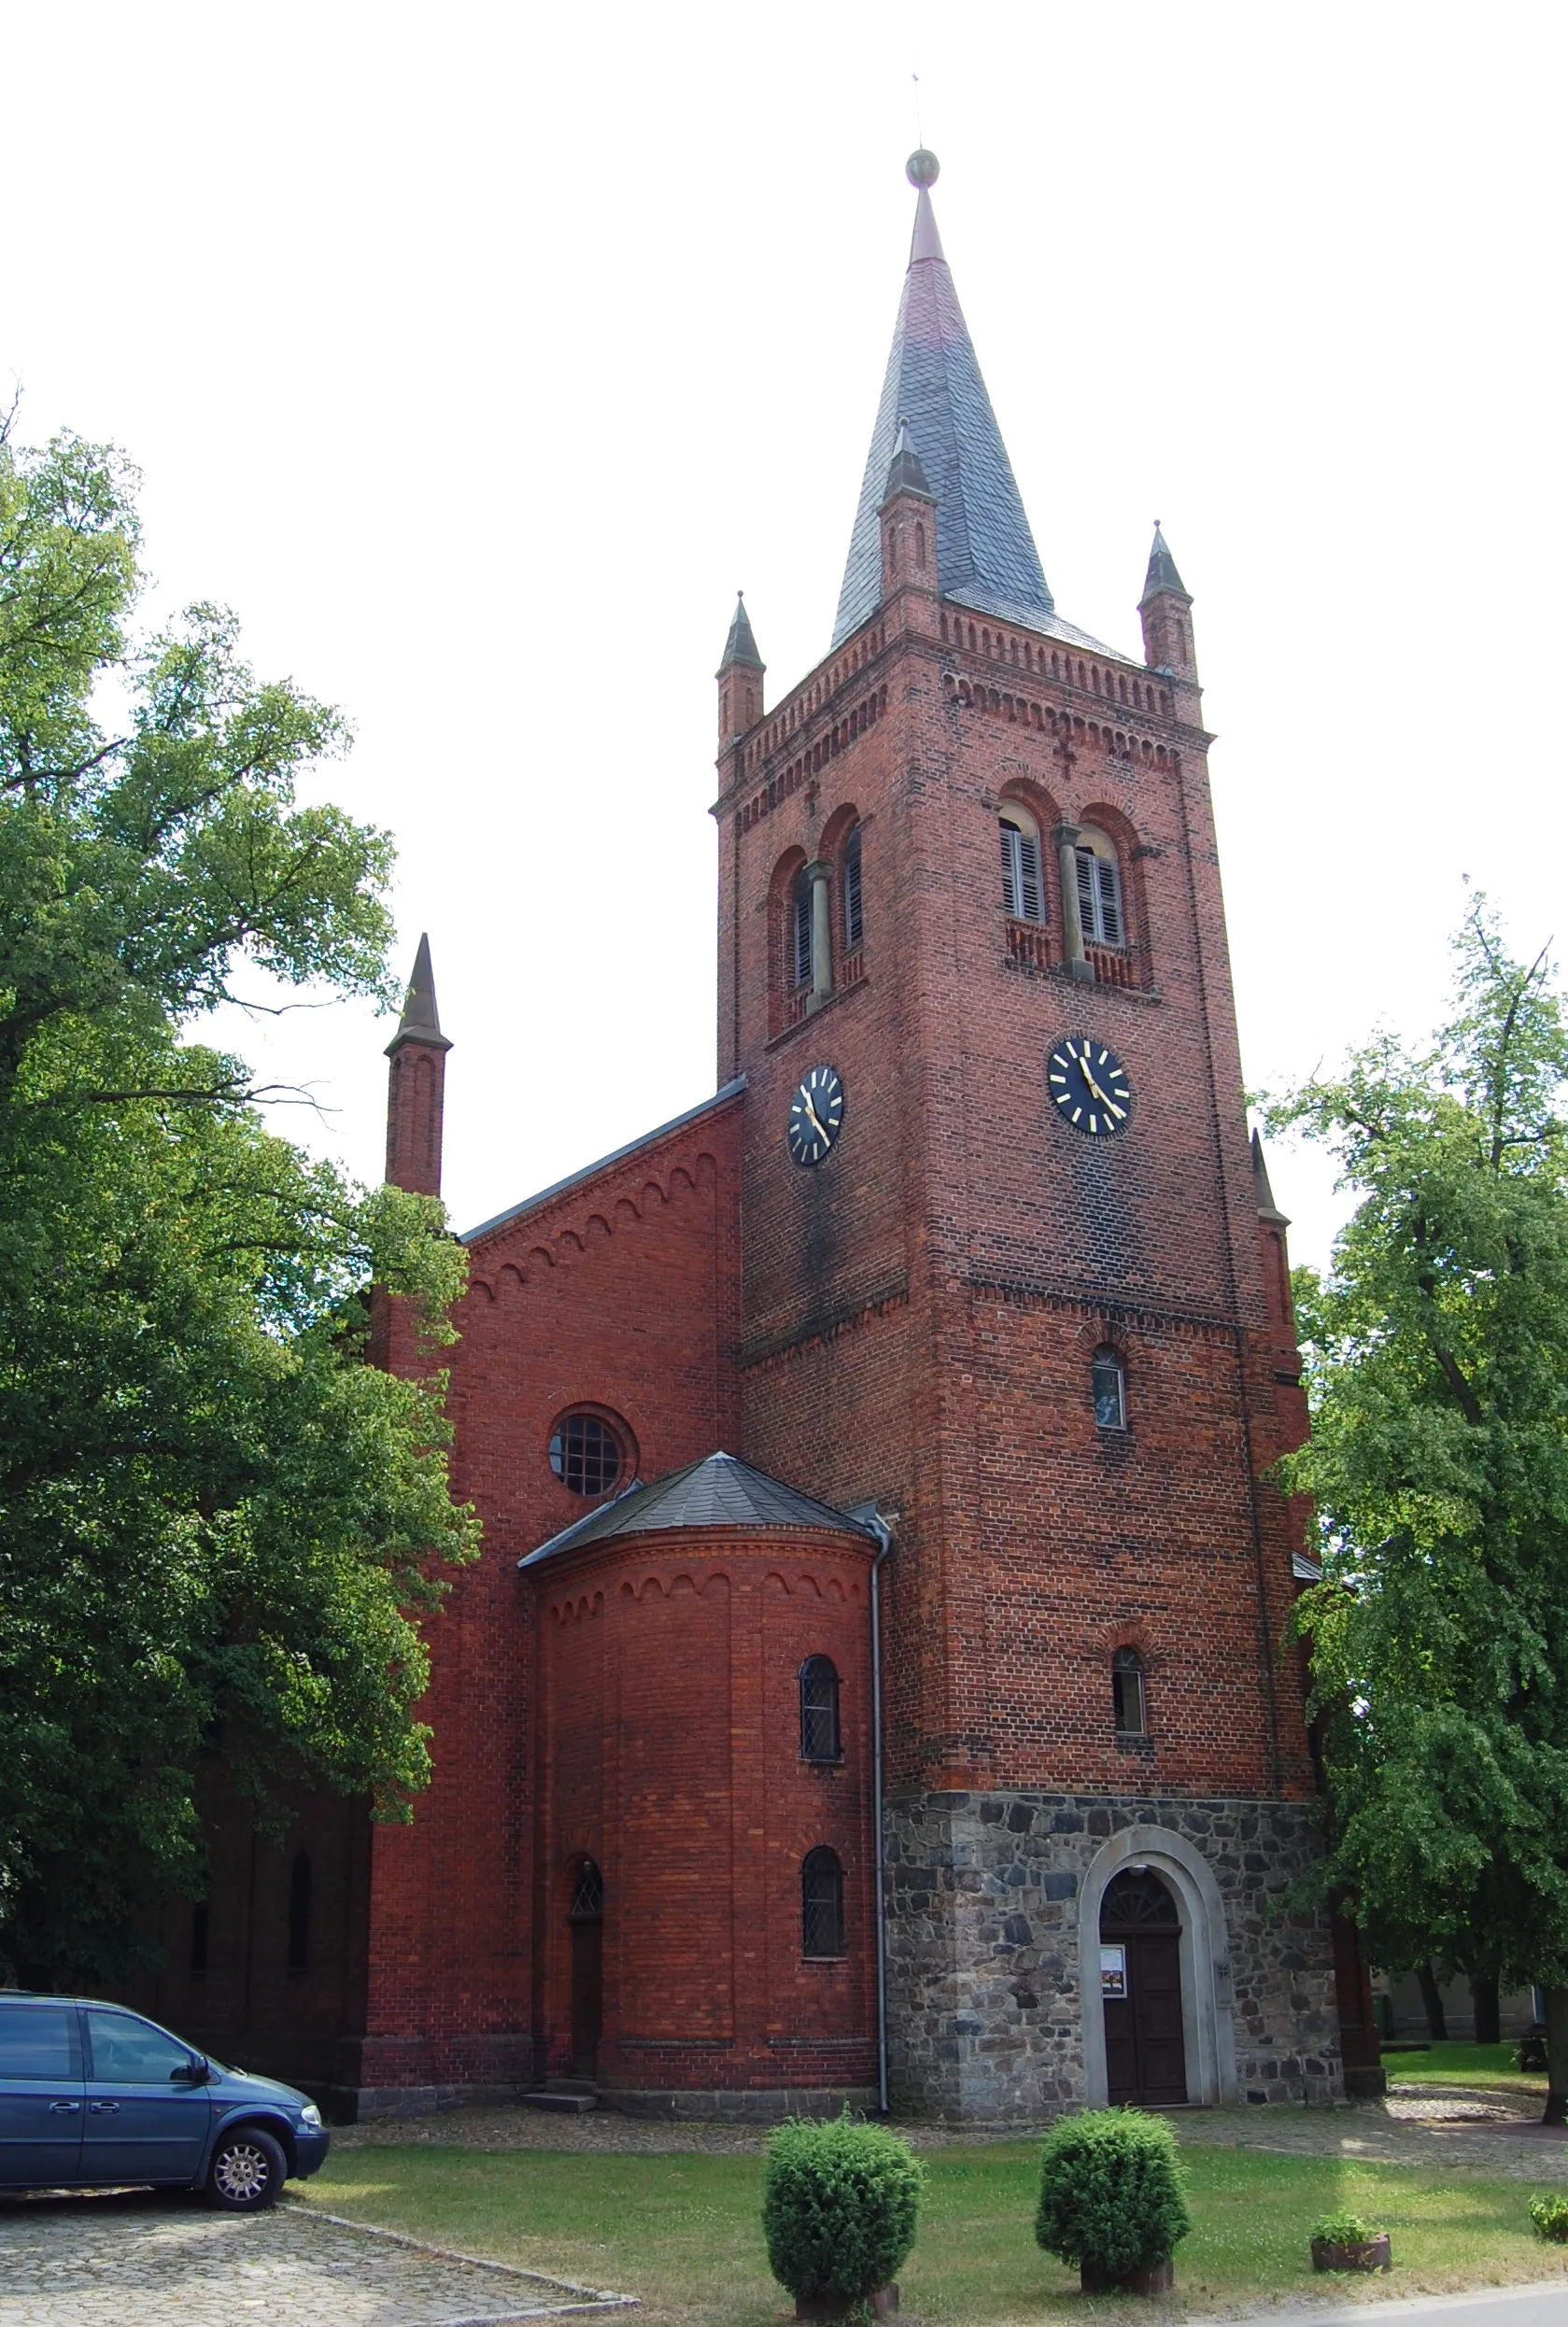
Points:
(986, 2017)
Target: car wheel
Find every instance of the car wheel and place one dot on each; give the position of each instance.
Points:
(249, 2170)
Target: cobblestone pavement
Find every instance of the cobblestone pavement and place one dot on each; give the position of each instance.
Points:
(1495, 2132)
(167, 2262)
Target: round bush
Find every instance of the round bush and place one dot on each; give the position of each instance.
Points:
(838, 2206)
(1111, 2191)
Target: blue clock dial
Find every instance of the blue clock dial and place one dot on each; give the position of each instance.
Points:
(1089, 1085)
(816, 1115)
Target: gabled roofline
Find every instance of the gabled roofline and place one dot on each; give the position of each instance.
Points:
(616, 1155)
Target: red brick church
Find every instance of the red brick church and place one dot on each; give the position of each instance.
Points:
(872, 1686)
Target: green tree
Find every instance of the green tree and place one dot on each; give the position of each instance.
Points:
(1437, 1355)
(219, 1527)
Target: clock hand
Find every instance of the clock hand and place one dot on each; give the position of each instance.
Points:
(813, 1113)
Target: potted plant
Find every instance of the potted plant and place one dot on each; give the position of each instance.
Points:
(840, 2206)
(1550, 2218)
(1344, 2242)
(1111, 2200)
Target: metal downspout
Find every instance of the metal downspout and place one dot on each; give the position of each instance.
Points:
(884, 1534)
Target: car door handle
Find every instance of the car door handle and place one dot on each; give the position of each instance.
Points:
(101, 2109)
(63, 2109)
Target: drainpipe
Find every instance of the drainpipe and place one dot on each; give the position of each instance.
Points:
(870, 1516)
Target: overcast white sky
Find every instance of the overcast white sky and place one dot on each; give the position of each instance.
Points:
(475, 355)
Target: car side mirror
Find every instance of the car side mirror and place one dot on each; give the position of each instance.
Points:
(197, 2070)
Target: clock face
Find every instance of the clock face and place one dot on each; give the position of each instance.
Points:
(816, 1114)
(1089, 1084)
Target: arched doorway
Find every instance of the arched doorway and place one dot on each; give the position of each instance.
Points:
(585, 1919)
(1140, 1985)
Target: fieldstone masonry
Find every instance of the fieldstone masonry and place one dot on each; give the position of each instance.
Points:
(985, 1972)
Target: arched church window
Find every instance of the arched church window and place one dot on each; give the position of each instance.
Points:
(854, 910)
(299, 1913)
(822, 1904)
(1127, 1695)
(586, 1454)
(1022, 889)
(801, 931)
(1109, 1382)
(587, 1893)
(819, 1711)
(1099, 891)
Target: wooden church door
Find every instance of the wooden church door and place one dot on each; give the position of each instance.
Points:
(1140, 1981)
(587, 1968)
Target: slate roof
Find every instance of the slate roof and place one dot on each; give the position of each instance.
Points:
(1162, 574)
(741, 645)
(720, 1491)
(1267, 1209)
(420, 1021)
(986, 556)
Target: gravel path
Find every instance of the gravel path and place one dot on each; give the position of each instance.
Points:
(96, 2261)
(1417, 2126)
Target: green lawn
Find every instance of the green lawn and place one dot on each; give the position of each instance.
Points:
(682, 2232)
(1485, 2065)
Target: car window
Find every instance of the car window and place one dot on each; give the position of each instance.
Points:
(38, 2041)
(131, 2052)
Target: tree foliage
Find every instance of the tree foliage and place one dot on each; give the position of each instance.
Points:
(218, 1527)
(1438, 1358)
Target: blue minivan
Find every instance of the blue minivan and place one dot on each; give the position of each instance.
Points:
(94, 2095)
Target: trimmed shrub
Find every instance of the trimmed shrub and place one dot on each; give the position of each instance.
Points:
(1111, 2192)
(839, 2203)
(1550, 2218)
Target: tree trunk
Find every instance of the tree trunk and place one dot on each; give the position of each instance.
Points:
(1431, 1996)
(1488, 2008)
(1557, 2057)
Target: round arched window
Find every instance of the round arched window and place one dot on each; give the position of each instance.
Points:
(586, 1454)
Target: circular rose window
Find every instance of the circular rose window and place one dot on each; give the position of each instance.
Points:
(586, 1454)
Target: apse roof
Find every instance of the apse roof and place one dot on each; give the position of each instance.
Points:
(986, 556)
(720, 1491)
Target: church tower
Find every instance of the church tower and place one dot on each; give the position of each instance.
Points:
(1005, 1277)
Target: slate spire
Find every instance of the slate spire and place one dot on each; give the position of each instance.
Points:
(985, 553)
(1162, 574)
(420, 1022)
(740, 648)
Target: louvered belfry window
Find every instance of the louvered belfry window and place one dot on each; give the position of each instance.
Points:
(854, 918)
(801, 932)
(1022, 892)
(1099, 899)
(819, 1710)
(822, 1904)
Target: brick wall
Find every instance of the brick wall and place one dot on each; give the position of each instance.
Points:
(669, 1752)
(919, 1312)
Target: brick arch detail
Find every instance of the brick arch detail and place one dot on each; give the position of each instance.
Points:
(609, 1216)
